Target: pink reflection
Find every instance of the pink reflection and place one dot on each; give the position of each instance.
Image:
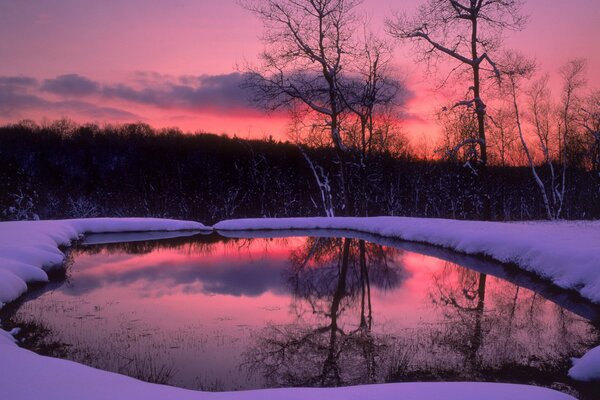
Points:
(113, 43)
(250, 313)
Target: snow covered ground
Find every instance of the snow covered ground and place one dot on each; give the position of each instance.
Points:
(587, 368)
(566, 253)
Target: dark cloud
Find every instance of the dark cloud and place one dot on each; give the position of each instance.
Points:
(70, 85)
(19, 95)
(12, 103)
(95, 111)
(17, 81)
(223, 94)
(217, 93)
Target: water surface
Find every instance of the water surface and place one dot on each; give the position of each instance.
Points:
(217, 313)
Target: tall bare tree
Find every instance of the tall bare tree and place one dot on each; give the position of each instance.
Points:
(573, 77)
(549, 141)
(515, 69)
(316, 64)
(307, 43)
(467, 32)
(502, 137)
(554, 127)
(370, 92)
(589, 119)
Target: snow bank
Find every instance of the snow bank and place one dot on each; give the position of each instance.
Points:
(566, 253)
(587, 368)
(28, 249)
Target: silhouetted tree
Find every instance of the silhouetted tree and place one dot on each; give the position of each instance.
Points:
(468, 32)
(316, 65)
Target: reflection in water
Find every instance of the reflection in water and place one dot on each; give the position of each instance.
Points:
(330, 341)
(222, 314)
(495, 327)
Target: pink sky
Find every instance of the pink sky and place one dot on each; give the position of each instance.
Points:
(146, 54)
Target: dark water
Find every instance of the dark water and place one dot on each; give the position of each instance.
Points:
(214, 313)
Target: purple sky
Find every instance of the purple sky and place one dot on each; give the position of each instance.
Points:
(173, 63)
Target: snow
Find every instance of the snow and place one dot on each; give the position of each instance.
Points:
(566, 253)
(587, 368)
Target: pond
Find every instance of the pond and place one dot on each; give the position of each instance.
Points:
(307, 309)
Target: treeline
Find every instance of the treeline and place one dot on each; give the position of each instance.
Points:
(64, 170)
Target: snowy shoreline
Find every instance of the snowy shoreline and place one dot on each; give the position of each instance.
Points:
(29, 249)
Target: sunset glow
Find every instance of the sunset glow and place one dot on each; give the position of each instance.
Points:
(175, 64)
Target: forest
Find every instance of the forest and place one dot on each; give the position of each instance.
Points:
(65, 170)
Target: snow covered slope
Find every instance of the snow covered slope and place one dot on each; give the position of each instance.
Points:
(587, 368)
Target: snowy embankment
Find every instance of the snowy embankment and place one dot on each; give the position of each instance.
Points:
(586, 368)
(566, 253)
(29, 249)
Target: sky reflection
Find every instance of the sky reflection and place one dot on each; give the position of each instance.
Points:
(222, 314)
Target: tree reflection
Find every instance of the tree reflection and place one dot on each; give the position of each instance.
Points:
(463, 299)
(331, 342)
(352, 319)
(481, 328)
(497, 328)
(199, 244)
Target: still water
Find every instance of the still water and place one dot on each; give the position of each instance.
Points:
(216, 313)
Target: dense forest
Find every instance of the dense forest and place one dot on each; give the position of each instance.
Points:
(63, 170)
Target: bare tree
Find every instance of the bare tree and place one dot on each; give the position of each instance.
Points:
(457, 141)
(370, 93)
(316, 64)
(322, 180)
(502, 137)
(307, 43)
(542, 112)
(589, 119)
(514, 69)
(555, 132)
(468, 32)
(573, 76)
(307, 46)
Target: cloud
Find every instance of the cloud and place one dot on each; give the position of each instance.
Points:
(95, 111)
(17, 81)
(239, 277)
(20, 95)
(222, 94)
(219, 94)
(70, 85)
(213, 94)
